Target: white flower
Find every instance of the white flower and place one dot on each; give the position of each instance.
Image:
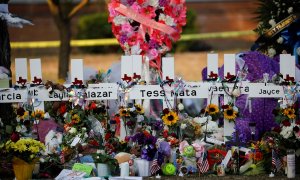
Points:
(236, 92)
(211, 127)
(287, 132)
(83, 129)
(140, 118)
(42, 160)
(154, 3)
(183, 126)
(271, 52)
(200, 120)
(180, 107)
(272, 22)
(290, 10)
(132, 109)
(86, 135)
(235, 108)
(209, 118)
(167, 19)
(136, 49)
(73, 130)
(119, 20)
(280, 40)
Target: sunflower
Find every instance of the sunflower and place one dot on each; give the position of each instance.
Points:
(38, 114)
(230, 114)
(289, 112)
(139, 108)
(212, 109)
(75, 118)
(123, 112)
(24, 116)
(170, 118)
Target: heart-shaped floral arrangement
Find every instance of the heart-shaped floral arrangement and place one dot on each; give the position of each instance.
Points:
(147, 27)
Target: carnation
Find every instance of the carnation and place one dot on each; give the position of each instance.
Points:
(286, 132)
(180, 107)
(200, 120)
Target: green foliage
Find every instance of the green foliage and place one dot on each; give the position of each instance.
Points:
(95, 26)
(106, 159)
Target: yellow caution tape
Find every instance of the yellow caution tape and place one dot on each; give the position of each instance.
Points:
(113, 41)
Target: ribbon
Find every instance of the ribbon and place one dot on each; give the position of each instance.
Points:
(144, 20)
(3, 8)
(199, 149)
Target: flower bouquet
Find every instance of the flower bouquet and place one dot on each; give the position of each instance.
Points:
(25, 153)
(106, 164)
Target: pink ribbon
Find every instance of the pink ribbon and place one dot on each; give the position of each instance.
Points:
(144, 20)
(198, 148)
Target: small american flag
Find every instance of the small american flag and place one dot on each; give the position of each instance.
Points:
(203, 164)
(154, 167)
(276, 162)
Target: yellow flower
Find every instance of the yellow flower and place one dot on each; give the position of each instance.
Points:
(39, 114)
(289, 112)
(170, 118)
(139, 108)
(123, 112)
(212, 109)
(25, 116)
(75, 118)
(230, 114)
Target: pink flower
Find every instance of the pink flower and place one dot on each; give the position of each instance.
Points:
(153, 54)
(149, 11)
(126, 28)
(136, 7)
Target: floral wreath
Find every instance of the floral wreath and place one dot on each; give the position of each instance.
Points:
(147, 27)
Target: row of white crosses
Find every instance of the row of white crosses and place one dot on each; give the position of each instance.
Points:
(133, 66)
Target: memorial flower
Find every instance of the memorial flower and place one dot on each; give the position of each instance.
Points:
(230, 113)
(26, 149)
(212, 109)
(170, 118)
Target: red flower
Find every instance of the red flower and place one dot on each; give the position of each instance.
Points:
(93, 142)
(296, 129)
(258, 156)
(277, 129)
(298, 122)
(140, 2)
(93, 105)
(20, 111)
(62, 109)
(286, 123)
(107, 136)
(15, 137)
(166, 111)
(165, 133)
(225, 106)
(149, 11)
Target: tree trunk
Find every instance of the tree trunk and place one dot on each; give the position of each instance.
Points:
(65, 48)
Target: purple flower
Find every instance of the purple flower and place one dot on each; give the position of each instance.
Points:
(130, 2)
(158, 125)
(148, 152)
(153, 44)
(163, 3)
(123, 39)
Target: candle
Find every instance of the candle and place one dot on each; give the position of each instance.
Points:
(124, 169)
(291, 172)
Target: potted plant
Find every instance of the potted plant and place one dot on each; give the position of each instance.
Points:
(106, 164)
(25, 153)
